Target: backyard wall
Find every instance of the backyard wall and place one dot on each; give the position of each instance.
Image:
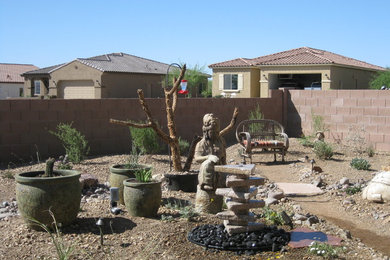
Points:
(24, 123)
(343, 111)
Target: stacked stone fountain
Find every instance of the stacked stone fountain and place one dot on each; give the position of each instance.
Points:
(239, 195)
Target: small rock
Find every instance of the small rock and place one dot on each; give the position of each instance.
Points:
(270, 201)
(345, 234)
(275, 195)
(344, 181)
(297, 207)
(5, 204)
(349, 201)
(312, 220)
(299, 217)
(5, 215)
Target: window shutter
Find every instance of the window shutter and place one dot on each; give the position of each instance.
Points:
(220, 82)
(240, 82)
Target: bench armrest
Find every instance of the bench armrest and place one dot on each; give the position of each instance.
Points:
(246, 136)
(286, 141)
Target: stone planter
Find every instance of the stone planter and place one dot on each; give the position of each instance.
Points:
(184, 182)
(37, 195)
(142, 199)
(119, 173)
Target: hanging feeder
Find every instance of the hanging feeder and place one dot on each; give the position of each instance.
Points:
(183, 86)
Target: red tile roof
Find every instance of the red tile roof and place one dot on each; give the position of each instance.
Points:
(300, 56)
(10, 73)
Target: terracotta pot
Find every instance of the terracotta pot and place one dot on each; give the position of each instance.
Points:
(183, 182)
(142, 199)
(37, 195)
(119, 173)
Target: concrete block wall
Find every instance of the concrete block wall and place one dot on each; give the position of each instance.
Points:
(25, 123)
(343, 111)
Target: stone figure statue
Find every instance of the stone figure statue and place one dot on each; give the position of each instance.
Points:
(210, 151)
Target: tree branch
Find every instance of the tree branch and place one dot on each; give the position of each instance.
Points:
(177, 82)
(232, 123)
(131, 124)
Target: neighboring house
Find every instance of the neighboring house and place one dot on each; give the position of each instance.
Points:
(115, 75)
(302, 68)
(11, 83)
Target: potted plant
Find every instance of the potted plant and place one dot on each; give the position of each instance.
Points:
(121, 172)
(142, 195)
(39, 192)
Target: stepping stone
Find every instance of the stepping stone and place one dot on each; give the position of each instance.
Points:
(302, 237)
(251, 204)
(236, 196)
(240, 169)
(233, 181)
(298, 189)
(237, 222)
(231, 229)
(229, 215)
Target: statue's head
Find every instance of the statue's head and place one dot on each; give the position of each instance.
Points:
(210, 126)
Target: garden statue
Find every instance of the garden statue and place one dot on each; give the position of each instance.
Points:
(210, 150)
(378, 189)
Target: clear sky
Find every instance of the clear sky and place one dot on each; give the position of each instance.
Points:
(46, 33)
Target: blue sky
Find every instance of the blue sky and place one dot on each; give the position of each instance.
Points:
(46, 33)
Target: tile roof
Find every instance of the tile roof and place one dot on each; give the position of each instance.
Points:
(11, 73)
(114, 62)
(300, 56)
(122, 62)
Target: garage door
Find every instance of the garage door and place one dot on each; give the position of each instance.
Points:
(77, 89)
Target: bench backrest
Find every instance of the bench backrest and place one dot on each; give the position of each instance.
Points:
(265, 129)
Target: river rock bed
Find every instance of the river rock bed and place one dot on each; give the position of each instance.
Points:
(214, 236)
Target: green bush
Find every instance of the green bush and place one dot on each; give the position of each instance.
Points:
(353, 189)
(272, 216)
(184, 146)
(323, 150)
(370, 151)
(306, 141)
(360, 164)
(145, 140)
(75, 144)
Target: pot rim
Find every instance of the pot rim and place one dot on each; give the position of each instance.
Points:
(65, 175)
(132, 182)
(142, 166)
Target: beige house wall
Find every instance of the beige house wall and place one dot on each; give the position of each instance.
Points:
(76, 71)
(29, 83)
(10, 90)
(350, 78)
(250, 77)
(125, 85)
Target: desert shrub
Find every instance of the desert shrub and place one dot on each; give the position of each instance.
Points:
(272, 216)
(145, 140)
(356, 140)
(360, 164)
(353, 189)
(184, 146)
(323, 150)
(306, 141)
(370, 151)
(318, 124)
(255, 114)
(75, 144)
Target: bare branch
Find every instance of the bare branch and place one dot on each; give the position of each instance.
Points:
(232, 123)
(128, 123)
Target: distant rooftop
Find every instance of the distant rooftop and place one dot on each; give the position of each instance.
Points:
(11, 73)
(300, 56)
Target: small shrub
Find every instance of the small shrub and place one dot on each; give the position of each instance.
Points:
(306, 141)
(323, 150)
(272, 216)
(75, 144)
(370, 151)
(184, 146)
(145, 140)
(143, 175)
(356, 140)
(353, 190)
(132, 161)
(360, 164)
(324, 250)
(8, 174)
(318, 124)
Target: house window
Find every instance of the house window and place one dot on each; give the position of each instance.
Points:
(230, 81)
(37, 88)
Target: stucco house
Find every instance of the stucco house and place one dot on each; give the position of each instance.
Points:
(302, 68)
(11, 83)
(115, 75)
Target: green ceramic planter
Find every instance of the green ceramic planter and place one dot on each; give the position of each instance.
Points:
(142, 199)
(118, 173)
(36, 195)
